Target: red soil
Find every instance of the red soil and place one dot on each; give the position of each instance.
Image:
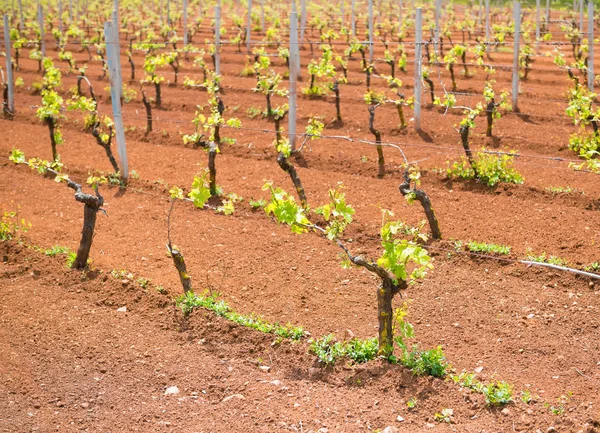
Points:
(64, 344)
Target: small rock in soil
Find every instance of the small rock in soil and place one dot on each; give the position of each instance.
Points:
(122, 310)
(265, 368)
(172, 390)
(348, 334)
(478, 369)
(231, 397)
(390, 429)
(399, 419)
(505, 411)
(276, 382)
(551, 429)
(85, 405)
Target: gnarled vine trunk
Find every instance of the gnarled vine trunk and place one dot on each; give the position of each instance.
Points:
(212, 150)
(431, 88)
(464, 138)
(92, 204)
(423, 198)
(385, 295)
(377, 134)
(106, 146)
(51, 122)
(5, 108)
(286, 166)
(178, 259)
(148, 112)
(336, 90)
(158, 97)
(489, 113)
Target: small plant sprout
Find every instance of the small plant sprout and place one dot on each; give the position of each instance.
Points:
(526, 397)
(11, 226)
(445, 415)
(498, 393)
(392, 267)
(411, 403)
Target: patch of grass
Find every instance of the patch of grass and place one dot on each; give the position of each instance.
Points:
(468, 380)
(71, 256)
(427, 362)
(492, 169)
(253, 112)
(257, 204)
(481, 247)
(543, 258)
(190, 301)
(496, 393)
(559, 190)
(421, 362)
(361, 351)
(53, 251)
(329, 350)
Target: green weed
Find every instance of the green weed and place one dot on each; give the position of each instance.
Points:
(55, 250)
(190, 301)
(492, 169)
(327, 349)
(481, 247)
(71, 256)
(543, 258)
(11, 226)
(427, 362)
(498, 393)
(526, 397)
(444, 416)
